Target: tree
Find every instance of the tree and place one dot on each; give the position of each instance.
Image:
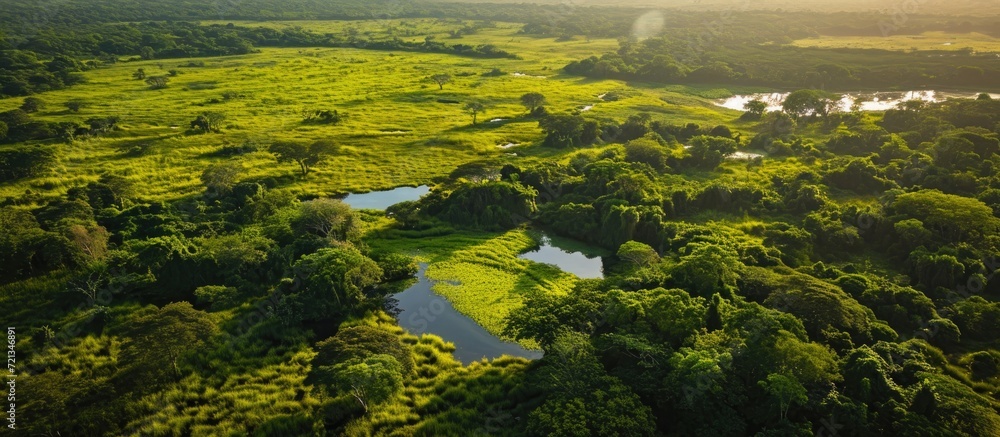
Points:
(220, 178)
(533, 101)
(20, 236)
(582, 399)
(660, 314)
(544, 317)
(490, 205)
(100, 125)
(139, 74)
(786, 390)
(306, 155)
(474, 108)
(360, 341)
(327, 283)
(146, 52)
(755, 109)
(638, 254)
(322, 116)
(951, 217)
(91, 241)
(708, 152)
(110, 190)
(441, 79)
(778, 124)
(647, 151)
(157, 82)
(32, 104)
(809, 102)
(159, 339)
(24, 162)
(208, 122)
(75, 105)
(699, 386)
(708, 268)
(327, 218)
(372, 380)
(563, 130)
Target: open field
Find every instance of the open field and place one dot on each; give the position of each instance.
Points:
(927, 41)
(396, 132)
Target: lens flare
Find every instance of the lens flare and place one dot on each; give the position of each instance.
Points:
(648, 25)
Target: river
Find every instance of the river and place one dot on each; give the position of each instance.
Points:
(870, 101)
(422, 311)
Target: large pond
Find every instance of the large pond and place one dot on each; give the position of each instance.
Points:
(870, 101)
(385, 199)
(569, 255)
(422, 311)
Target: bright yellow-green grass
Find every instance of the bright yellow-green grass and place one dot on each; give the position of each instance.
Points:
(396, 132)
(926, 41)
(488, 280)
(480, 273)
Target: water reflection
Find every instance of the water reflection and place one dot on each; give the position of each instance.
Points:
(385, 199)
(868, 101)
(421, 311)
(569, 255)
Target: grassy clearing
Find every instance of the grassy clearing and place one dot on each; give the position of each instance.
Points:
(487, 281)
(480, 273)
(946, 41)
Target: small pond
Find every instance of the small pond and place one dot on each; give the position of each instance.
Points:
(870, 101)
(744, 156)
(569, 255)
(385, 199)
(420, 310)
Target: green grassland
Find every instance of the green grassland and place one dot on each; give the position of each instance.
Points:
(927, 41)
(396, 131)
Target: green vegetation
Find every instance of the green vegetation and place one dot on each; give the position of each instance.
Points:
(177, 260)
(927, 41)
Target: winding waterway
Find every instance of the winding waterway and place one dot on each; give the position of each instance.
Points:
(420, 310)
(869, 101)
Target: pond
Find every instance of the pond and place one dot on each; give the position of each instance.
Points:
(744, 156)
(569, 255)
(420, 310)
(385, 199)
(740, 155)
(870, 101)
